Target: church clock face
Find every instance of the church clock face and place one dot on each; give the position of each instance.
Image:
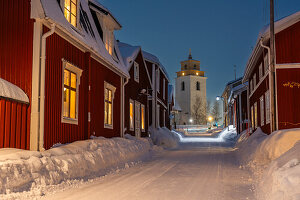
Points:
(191, 93)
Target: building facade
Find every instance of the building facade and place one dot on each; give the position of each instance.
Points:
(283, 80)
(190, 93)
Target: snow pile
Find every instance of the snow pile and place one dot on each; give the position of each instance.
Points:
(282, 178)
(12, 91)
(22, 170)
(164, 137)
(275, 159)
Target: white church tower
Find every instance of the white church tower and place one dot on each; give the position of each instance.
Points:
(191, 93)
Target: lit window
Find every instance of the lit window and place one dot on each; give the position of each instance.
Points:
(255, 114)
(143, 118)
(109, 91)
(262, 110)
(71, 81)
(197, 85)
(109, 42)
(136, 72)
(267, 100)
(70, 10)
(131, 115)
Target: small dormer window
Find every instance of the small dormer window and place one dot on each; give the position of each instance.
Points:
(70, 11)
(109, 42)
(136, 72)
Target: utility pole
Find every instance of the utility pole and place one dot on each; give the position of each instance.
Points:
(272, 67)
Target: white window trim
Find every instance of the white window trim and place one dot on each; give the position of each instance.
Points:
(131, 128)
(266, 63)
(62, 5)
(113, 89)
(143, 117)
(136, 72)
(267, 100)
(71, 67)
(262, 110)
(255, 115)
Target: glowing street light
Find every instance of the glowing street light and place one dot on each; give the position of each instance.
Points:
(210, 118)
(191, 120)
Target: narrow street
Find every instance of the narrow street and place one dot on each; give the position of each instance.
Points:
(189, 173)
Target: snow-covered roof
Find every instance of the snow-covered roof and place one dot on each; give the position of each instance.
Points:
(170, 93)
(152, 58)
(264, 35)
(129, 53)
(11, 91)
(88, 35)
(177, 107)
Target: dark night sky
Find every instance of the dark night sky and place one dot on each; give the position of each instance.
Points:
(220, 33)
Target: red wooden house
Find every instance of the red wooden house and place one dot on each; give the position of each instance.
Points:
(286, 78)
(136, 91)
(62, 54)
(159, 117)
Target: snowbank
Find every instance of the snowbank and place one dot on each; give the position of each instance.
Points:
(276, 160)
(22, 170)
(164, 137)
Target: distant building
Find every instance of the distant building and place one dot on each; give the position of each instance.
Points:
(235, 105)
(191, 92)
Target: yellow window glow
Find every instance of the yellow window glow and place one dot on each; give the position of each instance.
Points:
(66, 102)
(143, 118)
(70, 86)
(131, 115)
(108, 107)
(70, 11)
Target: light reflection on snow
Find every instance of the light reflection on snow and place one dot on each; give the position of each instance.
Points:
(221, 138)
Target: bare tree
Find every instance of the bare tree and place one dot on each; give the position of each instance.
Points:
(208, 108)
(216, 111)
(199, 111)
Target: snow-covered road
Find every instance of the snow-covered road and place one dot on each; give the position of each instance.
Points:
(198, 173)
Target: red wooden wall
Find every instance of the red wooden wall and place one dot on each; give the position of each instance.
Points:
(288, 95)
(16, 42)
(13, 125)
(99, 74)
(55, 131)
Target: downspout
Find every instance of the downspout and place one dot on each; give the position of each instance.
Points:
(270, 81)
(42, 88)
(248, 105)
(123, 108)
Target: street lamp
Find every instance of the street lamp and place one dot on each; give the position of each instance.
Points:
(191, 120)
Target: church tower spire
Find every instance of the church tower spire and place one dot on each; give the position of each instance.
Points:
(190, 55)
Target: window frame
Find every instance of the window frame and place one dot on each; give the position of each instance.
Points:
(113, 90)
(136, 72)
(62, 5)
(76, 70)
(131, 128)
(262, 110)
(182, 86)
(267, 100)
(266, 63)
(255, 115)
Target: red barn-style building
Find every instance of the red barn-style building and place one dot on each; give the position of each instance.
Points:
(63, 55)
(286, 77)
(137, 91)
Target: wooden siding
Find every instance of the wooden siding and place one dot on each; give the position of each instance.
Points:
(288, 98)
(16, 44)
(288, 45)
(99, 74)
(55, 131)
(14, 131)
(132, 90)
